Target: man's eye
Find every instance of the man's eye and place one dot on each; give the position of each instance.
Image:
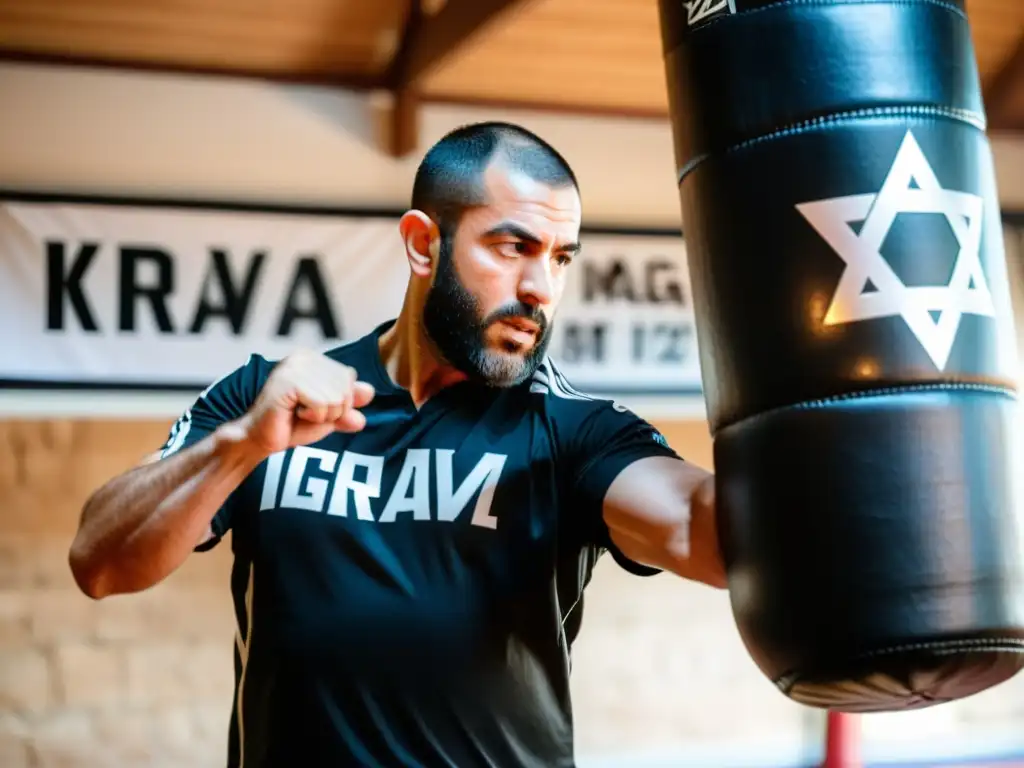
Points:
(564, 259)
(514, 248)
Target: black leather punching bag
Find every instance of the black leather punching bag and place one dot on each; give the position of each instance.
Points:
(856, 340)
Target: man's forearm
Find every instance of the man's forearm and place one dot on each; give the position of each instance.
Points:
(661, 512)
(141, 526)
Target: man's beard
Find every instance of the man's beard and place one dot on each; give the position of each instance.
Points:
(451, 317)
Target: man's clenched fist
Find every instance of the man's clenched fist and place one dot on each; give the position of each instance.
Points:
(306, 397)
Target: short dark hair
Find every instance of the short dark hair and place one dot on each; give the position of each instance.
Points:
(450, 178)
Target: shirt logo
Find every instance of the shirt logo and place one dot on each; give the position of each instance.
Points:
(350, 484)
(869, 288)
(178, 434)
(699, 10)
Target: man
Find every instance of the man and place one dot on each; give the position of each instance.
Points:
(415, 515)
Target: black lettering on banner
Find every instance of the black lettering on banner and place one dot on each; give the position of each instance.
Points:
(236, 301)
(661, 342)
(61, 284)
(307, 273)
(584, 342)
(132, 291)
(672, 292)
(615, 282)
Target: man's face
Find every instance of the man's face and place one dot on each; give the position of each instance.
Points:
(500, 277)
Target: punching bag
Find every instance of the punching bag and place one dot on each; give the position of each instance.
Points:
(856, 341)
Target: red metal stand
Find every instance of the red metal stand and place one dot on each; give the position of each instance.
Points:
(842, 741)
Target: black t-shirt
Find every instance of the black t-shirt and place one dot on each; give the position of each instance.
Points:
(408, 595)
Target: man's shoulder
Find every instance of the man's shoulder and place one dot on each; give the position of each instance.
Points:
(561, 396)
(256, 368)
(356, 352)
(240, 382)
(580, 415)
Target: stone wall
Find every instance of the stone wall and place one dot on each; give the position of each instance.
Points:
(131, 680)
(145, 680)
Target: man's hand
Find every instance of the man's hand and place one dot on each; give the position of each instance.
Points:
(306, 397)
(140, 526)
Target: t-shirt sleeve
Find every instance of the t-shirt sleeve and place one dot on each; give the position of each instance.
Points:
(606, 441)
(225, 400)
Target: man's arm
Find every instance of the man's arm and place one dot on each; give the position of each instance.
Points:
(141, 526)
(634, 496)
(660, 512)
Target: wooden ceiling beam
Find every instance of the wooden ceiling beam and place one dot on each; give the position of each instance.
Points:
(354, 81)
(1004, 97)
(431, 36)
(434, 35)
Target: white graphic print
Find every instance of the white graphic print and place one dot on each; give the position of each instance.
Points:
(910, 187)
(698, 10)
(409, 497)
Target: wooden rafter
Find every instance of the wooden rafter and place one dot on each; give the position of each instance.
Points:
(428, 40)
(1004, 98)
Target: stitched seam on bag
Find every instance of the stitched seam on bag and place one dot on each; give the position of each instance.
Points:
(942, 648)
(906, 389)
(949, 646)
(790, 3)
(974, 119)
(943, 386)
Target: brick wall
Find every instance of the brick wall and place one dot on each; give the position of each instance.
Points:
(140, 680)
(145, 680)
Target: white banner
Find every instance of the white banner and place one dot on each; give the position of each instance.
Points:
(116, 296)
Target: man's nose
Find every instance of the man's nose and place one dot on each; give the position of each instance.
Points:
(536, 287)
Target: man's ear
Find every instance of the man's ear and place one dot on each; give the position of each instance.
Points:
(422, 241)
